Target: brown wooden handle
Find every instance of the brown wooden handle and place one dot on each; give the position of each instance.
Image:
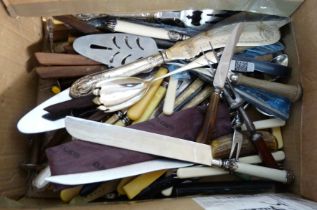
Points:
(77, 24)
(292, 92)
(210, 119)
(53, 72)
(263, 150)
(61, 59)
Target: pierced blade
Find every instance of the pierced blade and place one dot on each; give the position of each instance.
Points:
(140, 141)
(224, 64)
(115, 49)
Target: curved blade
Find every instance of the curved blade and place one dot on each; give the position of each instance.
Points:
(33, 122)
(115, 49)
(116, 173)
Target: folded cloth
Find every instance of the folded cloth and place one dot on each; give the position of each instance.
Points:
(81, 156)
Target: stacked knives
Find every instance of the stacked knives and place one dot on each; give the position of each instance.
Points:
(159, 105)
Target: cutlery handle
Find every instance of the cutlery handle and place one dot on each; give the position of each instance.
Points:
(143, 30)
(257, 140)
(199, 171)
(135, 111)
(263, 150)
(53, 72)
(61, 59)
(261, 172)
(68, 194)
(77, 24)
(204, 94)
(170, 97)
(157, 98)
(221, 146)
(190, 90)
(85, 85)
(210, 118)
(292, 92)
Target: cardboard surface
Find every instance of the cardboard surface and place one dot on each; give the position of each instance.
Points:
(305, 28)
(18, 86)
(61, 7)
(17, 96)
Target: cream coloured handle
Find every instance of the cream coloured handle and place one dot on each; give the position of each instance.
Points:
(202, 171)
(142, 30)
(170, 96)
(263, 172)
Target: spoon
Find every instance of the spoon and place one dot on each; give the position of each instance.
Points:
(121, 92)
(281, 59)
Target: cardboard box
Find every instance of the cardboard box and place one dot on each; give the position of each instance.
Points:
(20, 37)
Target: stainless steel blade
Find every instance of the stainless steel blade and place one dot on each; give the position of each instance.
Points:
(141, 141)
(116, 173)
(224, 64)
(33, 122)
(115, 49)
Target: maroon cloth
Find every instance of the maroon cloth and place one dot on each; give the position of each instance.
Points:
(81, 156)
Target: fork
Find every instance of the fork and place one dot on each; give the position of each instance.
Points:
(237, 139)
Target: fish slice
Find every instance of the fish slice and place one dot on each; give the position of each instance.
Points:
(33, 122)
(164, 146)
(115, 49)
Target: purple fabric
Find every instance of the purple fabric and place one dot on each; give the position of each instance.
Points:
(80, 156)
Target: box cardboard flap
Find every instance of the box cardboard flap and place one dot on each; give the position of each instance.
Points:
(62, 7)
(17, 96)
(305, 28)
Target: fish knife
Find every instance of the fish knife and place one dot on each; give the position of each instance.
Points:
(260, 34)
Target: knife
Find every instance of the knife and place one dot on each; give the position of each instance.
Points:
(164, 146)
(260, 33)
(116, 173)
(219, 83)
(33, 122)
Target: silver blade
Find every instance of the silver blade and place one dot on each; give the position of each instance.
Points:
(33, 122)
(224, 64)
(116, 173)
(140, 141)
(115, 49)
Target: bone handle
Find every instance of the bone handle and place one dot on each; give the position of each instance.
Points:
(265, 124)
(193, 87)
(263, 172)
(202, 171)
(292, 92)
(142, 30)
(170, 97)
(68, 194)
(204, 94)
(135, 111)
(160, 93)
